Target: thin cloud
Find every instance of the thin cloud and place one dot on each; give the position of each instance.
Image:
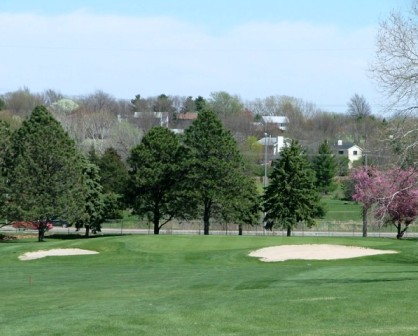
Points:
(81, 52)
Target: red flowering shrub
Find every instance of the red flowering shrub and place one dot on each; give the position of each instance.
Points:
(34, 225)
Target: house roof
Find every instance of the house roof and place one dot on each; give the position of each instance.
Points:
(275, 119)
(187, 116)
(269, 141)
(345, 145)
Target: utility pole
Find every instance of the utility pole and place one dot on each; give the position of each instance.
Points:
(266, 140)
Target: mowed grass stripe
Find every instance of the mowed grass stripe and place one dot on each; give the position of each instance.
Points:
(196, 285)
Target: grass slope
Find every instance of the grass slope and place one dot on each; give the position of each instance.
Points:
(196, 285)
(338, 210)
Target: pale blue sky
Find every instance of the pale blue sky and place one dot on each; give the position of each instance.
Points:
(317, 50)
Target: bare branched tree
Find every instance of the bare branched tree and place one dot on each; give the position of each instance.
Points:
(396, 72)
(396, 66)
(358, 107)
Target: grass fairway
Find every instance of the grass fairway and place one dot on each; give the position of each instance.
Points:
(338, 210)
(196, 285)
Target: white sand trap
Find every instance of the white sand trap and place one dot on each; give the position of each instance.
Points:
(55, 253)
(314, 252)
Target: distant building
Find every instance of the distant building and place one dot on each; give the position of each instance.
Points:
(279, 122)
(161, 118)
(183, 121)
(274, 145)
(349, 150)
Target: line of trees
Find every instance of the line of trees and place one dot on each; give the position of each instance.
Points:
(54, 162)
(201, 174)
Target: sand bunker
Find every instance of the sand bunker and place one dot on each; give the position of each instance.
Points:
(55, 253)
(314, 252)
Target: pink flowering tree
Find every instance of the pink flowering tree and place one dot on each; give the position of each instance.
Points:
(398, 201)
(393, 193)
(364, 191)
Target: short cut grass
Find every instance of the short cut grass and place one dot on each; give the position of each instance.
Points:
(197, 285)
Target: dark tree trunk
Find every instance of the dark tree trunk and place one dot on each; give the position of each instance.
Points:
(42, 227)
(401, 232)
(156, 228)
(41, 232)
(87, 234)
(289, 231)
(206, 226)
(240, 230)
(156, 220)
(364, 214)
(206, 218)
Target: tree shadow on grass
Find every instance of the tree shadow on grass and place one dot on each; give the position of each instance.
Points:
(13, 239)
(72, 236)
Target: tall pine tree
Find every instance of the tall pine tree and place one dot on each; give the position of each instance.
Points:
(94, 201)
(44, 172)
(5, 135)
(291, 197)
(325, 166)
(216, 170)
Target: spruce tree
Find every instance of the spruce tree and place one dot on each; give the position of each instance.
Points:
(43, 172)
(5, 135)
(325, 166)
(215, 168)
(113, 178)
(94, 201)
(291, 197)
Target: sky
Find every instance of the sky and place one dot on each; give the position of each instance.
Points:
(315, 50)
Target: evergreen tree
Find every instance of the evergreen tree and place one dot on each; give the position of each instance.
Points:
(244, 206)
(325, 166)
(200, 103)
(93, 215)
(113, 172)
(44, 172)
(2, 104)
(113, 179)
(5, 135)
(215, 168)
(291, 196)
(156, 174)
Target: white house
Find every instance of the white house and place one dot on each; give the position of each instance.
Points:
(350, 150)
(274, 144)
(279, 121)
(161, 117)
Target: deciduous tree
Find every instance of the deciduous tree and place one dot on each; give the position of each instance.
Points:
(393, 193)
(224, 104)
(156, 174)
(365, 191)
(358, 107)
(22, 102)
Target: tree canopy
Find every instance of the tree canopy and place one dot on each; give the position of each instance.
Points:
(215, 166)
(43, 172)
(325, 166)
(5, 135)
(393, 194)
(291, 196)
(93, 215)
(156, 174)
